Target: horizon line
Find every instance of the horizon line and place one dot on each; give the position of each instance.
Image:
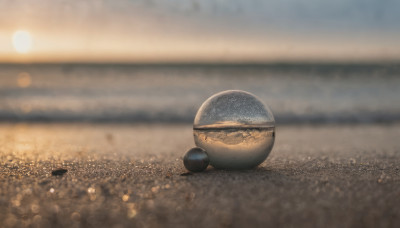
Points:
(207, 63)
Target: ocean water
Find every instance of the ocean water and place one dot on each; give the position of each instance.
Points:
(296, 93)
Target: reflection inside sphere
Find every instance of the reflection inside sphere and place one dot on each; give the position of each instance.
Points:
(236, 129)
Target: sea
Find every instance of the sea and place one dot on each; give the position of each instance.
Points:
(302, 93)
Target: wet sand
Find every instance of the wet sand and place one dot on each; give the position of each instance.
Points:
(132, 175)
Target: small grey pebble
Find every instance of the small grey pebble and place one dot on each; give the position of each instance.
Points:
(196, 160)
(58, 172)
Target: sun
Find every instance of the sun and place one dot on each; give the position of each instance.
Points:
(22, 41)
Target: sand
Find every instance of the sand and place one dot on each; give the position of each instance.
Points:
(126, 175)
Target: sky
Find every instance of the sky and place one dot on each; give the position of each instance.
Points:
(199, 30)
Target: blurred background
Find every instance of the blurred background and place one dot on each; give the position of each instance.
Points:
(156, 61)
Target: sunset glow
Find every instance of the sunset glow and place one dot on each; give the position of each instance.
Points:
(22, 41)
(203, 31)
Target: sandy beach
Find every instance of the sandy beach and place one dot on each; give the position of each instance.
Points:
(127, 175)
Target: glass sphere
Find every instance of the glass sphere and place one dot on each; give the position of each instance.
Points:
(236, 129)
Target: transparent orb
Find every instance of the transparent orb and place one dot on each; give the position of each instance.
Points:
(236, 130)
